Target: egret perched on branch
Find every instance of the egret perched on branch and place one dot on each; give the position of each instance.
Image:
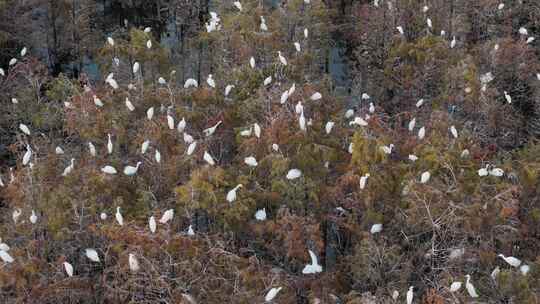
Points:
(109, 144)
(299, 108)
(188, 139)
(424, 178)
(306, 33)
(190, 82)
(69, 168)
(6, 257)
(260, 215)
(359, 121)
(252, 62)
(302, 121)
(501, 6)
(33, 217)
(282, 59)
(422, 133)
(97, 101)
(263, 25)
(314, 267)
(523, 31)
(130, 170)
(507, 97)
(250, 161)
(328, 127)
(470, 288)
(150, 113)
(149, 44)
(455, 286)
(181, 125)
(92, 255)
(429, 24)
(129, 105)
(257, 130)
(170, 122)
(15, 215)
(453, 42)
(267, 80)
(272, 293)
(210, 81)
(316, 96)
(145, 145)
(293, 174)
(512, 261)
(110, 41)
(228, 89)
(147, 29)
(24, 128)
(133, 263)
(68, 268)
(297, 47)
(167, 216)
(410, 295)
(208, 158)
(454, 131)
(212, 130)
(363, 180)
(109, 170)
(238, 5)
(231, 195)
(400, 30)
(27, 155)
(157, 156)
(13, 61)
(58, 150)
(191, 148)
(284, 97)
(152, 224)
(376, 228)
(119, 217)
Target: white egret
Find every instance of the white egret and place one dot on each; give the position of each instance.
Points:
(167, 216)
(92, 255)
(210, 81)
(359, 121)
(282, 59)
(297, 47)
(455, 286)
(483, 172)
(238, 5)
(512, 261)
(272, 293)
(190, 82)
(422, 133)
(257, 130)
(170, 122)
(302, 121)
(109, 144)
(496, 172)
(523, 31)
(188, 139)
(33, 217)
(152, 224)
(419, 103)
(149, 44)
(410, 295)
(412, 123)
(133, 263)
(211, 130)
(208, 158)
(501, 6)
(130, 170)
(69, 168)
(14, 101)
(144, 146)
(328, 127)
(507, 97)
(150, 113)
(524, 269)
(191, 148)
(314, 267)
(129, 105)
(110, 41)
(263, 25)
(250, 161)
(68, 268)
(252, 62)
(275, 147)
(387, 149)
(284, 97)
(425, 9)
(299, 108)
(27, 155)
(119, 217)
(98, 101)
(530, 40)
(316, 96)
(103, 216)
(2, 72)
(228, 89)
(6, 257)
(413, 157)
(424, 178)
(306, 33)
(246, 133)
(112, 82)
(495, 273)
(190, 231)
(363, 180)
(58, 150)
(371, 107)
(454, 131)
(24, 128)
(293, 174)
(13, 61)
(395, 295)
(231, 195)
(453, 42)
(400, 30)
(260, 215)
(181, 125)
(157, 156)
(267, 80)
(349, 113)
(470, 288)
(429, 23)
(109, 170)
(376, 228)
(16, 214)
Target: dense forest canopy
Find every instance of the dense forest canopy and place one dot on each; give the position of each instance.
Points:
(300, 151)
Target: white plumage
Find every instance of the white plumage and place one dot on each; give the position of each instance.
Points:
(69, 168)
(97, 101)
(190, 83)
(238, 5)
(24, 128)
(267, 80)
(314, 267)
(109, 144)
(228, 89)
(33, 217)
(272, 293)
(470, 288)
(316, 96)
(210, 81)
(250, 161)
(27, 155)
(424, 178)
(328, 127)
(69, 269)
(170, 122)
(422, 133)
(212, 130)
(359, 121)
(260, 215)
(400, 30)
(454, 132)
(191, 148)
(150, 113)
(110, 41)
(181, 125)
(133, 263)
(157, 156)
(119, 217)
(297, 47)
(188, 139)
(294, 174)
(252, 62)
(231, 195)
(410, 295)
(208, 158)
(257, 130)
(512, 261)
(129, 105)
(131, 170)
(376, 228)
(149, 44)
(6, 257)
(455, 286)
(284, 97)
(109, 170)
(363, 180)
(152, 224)
(167, 216)
(92, 255)
(282, 59)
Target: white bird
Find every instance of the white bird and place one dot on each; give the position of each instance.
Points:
(523, 31)
(188, 139)
(119, 217)
(13, 61)
(112, 83)
(410, 295)
(263, 25)
(147, 29)
(495, 273)
(501, 6)
(152, 224)
(328, 127)
(16, 214)
(413, 157)
(267, 80)
(453, 42)
(419, 103)
(349, 113)
(376, 228)
(68, 268)
(191, 148)
(314, 267)
(149, 44)
(507, 97)
(6, 257)
(212, 130)
(257, 130)
(395, 295)
(129, 105)
(512, 261)
(496, 172)
(363, 180)
(306, 33)
(181, 125)
(190, 231)
(412, 123)
(208, 158)
(387, 149)
(210, 81)
(24, 51)
(231, 195)
(170, 122)
(2, 72)
(246, 133)
(530, 39)
(145, 145)
(252, 62)
(190, 82)
(359, 121)
(316, 96)
(293, 174)
(371, 107)
(400, 30)
(483, 172)
(272, 293)
(228, 89)
(275, 147)
(14, 101)
(260, 215)
(524, 269)
(365, 96)
(282, 59)
(299, 108)
(109, 144)
(133, 263)
(425, 9)
(25, 129)
(429, 24)
(424, 178)
(302, 121)
(238, 5)
(33, 217)
(27, 155)
(422, 133)
(454, 132)
(130, 170)
(92, 255)
(297, 47)
(69, 168)
(250, 161)
(98, 101)
(284, 97)
(167, 216)
(109, 170)
(103, 216)
(150, 113)
(455, 286)
(157, 156)
(110, 41)
(470, 288)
